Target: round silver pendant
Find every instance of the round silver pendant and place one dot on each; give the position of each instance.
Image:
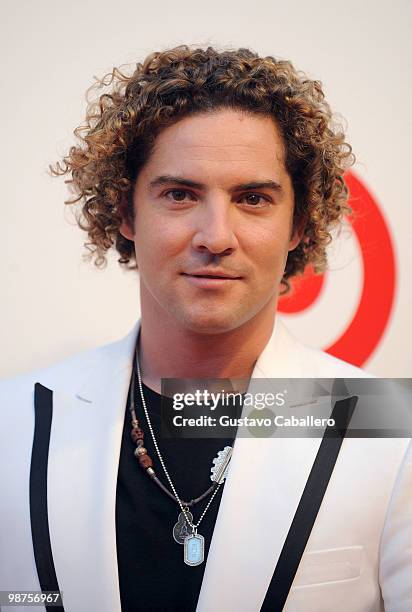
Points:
(182, 529)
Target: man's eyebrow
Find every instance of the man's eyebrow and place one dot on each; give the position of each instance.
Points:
(167, 179)
(269, 184)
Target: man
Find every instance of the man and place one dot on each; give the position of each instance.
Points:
(220, 175)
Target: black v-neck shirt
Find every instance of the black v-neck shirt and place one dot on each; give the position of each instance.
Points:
(152, 574)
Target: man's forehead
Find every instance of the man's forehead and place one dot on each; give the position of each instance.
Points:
(226, 135)
(238, 153)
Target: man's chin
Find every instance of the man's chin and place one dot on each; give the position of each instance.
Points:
(212, 323)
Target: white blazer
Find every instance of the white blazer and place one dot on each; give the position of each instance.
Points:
(359, 554)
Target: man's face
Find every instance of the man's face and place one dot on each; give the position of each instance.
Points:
(213, 221)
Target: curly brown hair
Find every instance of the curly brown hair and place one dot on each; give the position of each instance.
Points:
(121, 125)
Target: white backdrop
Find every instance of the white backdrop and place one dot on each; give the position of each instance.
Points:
(52, 303)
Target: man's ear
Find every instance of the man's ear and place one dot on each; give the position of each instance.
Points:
(126, 230)
(126, 227)
(297, 234)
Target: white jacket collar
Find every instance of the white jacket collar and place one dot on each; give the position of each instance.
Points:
(281, 358)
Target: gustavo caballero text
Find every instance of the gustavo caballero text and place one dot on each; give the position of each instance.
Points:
(227, 421)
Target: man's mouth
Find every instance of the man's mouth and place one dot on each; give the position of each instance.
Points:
(211, 280)
(218, 274)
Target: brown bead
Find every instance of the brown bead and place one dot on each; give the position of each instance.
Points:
(145, 461)
(137, 434)
(141, 450)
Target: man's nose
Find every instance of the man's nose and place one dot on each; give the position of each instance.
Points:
(214, 230)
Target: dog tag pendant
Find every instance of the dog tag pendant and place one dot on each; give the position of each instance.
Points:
(194, 549)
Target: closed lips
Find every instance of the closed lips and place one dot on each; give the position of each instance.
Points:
(210, 275)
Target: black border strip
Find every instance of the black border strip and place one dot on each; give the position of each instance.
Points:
(308, 507)
(43, 411)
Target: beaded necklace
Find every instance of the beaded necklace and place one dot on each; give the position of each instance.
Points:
(192, 541)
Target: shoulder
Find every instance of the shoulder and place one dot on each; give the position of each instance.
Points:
(17, 393)
(54, 376)
(327, 366)
(287, 357)
(68, 374)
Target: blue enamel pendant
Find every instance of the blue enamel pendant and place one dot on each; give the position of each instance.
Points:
(194, 549)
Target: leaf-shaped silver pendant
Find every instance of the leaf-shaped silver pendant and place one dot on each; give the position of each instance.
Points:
(221, 465)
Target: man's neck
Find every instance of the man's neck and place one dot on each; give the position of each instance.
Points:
(168, 350)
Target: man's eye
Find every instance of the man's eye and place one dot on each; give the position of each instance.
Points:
(254, 199)
(178, 195)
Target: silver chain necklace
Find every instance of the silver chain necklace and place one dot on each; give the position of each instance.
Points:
(194, 543)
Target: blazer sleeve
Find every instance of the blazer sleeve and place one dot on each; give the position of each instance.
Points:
(395, 569)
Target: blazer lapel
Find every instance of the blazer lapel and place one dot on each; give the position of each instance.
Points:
(82, 475)
(265, 482)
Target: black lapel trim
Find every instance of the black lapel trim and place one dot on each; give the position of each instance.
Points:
(308, 507)
(43, 410)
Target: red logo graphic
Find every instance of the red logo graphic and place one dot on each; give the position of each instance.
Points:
(362, 335)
